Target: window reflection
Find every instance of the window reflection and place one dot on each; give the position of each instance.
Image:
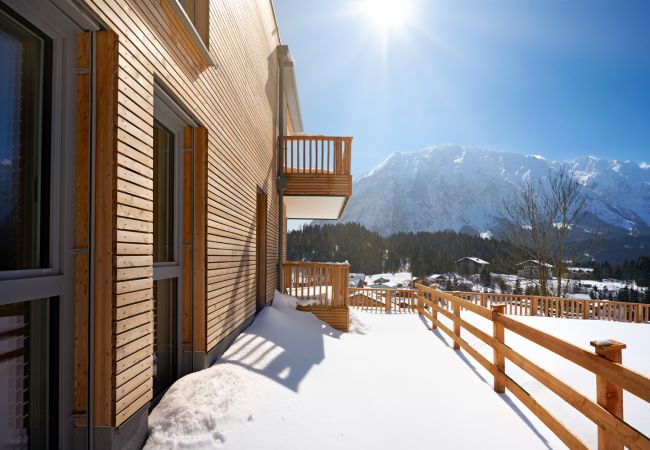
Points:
(163, 193)
(24, 152)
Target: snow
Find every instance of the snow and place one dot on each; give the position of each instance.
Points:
(486, 235)
(394, 279)
(474, 259)
(291, 382)
(580, 333)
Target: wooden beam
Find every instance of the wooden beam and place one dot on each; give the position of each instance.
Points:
(106, 58)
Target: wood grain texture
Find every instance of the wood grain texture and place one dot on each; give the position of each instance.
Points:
(235, 105)
(338, 318)
(105, 213)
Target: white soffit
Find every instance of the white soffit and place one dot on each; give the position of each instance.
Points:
(313, 207)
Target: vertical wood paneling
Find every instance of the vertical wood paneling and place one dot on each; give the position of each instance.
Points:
(104, 225)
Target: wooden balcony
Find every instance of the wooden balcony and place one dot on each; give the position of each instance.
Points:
(317, 170)
(321, 288)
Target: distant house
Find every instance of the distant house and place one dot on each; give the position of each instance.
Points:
(380, 280)
(532, 269)
(471, 265)
(580, 272)
(356, 280)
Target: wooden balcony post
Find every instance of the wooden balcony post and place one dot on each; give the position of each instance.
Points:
(638, 313)
(499, 360)
(456, 309)
(387, 305)
(533, 306)
(608, 394)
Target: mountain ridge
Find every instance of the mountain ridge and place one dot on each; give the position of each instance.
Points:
(462, 188)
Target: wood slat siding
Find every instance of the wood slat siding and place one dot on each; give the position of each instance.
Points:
(337, 318)
(236, 103)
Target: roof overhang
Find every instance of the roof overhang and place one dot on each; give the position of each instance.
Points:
(315, 207)
(290, 87)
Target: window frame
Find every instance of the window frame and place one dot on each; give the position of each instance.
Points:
(25, 284)
(170, 114)
(202, 46)
(56, 282)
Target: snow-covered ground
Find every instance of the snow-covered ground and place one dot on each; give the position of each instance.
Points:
(394, 280)
(291, 382)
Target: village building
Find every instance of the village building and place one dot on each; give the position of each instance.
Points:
(470, 265)
(532, 269)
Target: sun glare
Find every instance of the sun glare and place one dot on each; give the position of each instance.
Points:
(387, 14)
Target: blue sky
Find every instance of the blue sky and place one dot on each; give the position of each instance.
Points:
(556, 78)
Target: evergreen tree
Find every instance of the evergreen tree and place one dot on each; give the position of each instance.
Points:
(485, 277)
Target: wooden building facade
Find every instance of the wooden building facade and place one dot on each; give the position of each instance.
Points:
(146, 175)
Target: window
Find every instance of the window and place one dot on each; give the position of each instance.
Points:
(24, 147)
(26, 362)
(198, 13)
(169, 129)
(163, 193)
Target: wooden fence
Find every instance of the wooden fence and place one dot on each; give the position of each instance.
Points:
(527, 305)
(317, 155)
(383, 300)
(319, 284)
(611, 376)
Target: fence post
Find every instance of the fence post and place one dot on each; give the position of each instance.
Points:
(608, 394)
(499, 360)
(387, 306)
(434, 312)
(456, 309)
(638, 314)
(418, 301)
(533, 306)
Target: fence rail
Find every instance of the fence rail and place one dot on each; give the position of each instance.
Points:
(317, 155)
(611, 376)
(317, 284)
(532, 305)
(383, 300)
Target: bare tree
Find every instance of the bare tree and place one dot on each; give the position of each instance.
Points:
(530, 226)
(541, 216)
(568, 203)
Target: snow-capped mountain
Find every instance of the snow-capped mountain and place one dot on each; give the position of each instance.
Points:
(462, 189)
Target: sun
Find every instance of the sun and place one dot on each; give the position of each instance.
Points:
(387, 15)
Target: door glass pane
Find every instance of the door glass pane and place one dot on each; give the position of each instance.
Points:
(163, 194)
(25, 362)
(24, 156)
(165, 314)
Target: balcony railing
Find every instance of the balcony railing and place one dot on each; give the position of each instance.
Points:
(384, 300)
(317, 284)
(324, 155)
(568, 308)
